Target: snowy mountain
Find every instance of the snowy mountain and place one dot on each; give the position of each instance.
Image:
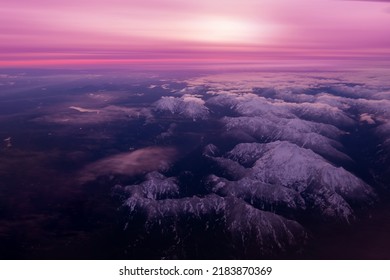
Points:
(316, 136)
(328, 192)
(156, 186)
(277, 166)
(188, 106)
(179, 222)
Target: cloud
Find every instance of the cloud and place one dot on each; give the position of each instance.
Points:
(76, 115)
(90, 109)
(132, 163)
(367, 118)
(84, 110)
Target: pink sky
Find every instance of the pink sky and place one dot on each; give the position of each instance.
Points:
(82, 32)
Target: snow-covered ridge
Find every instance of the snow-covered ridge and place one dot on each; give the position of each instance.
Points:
(328, 191)
(321, 138)
(156, 203)
(267, 197)
(236, 221)
(188, 106)
(156, 186)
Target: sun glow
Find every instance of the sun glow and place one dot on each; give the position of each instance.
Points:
(222, 30)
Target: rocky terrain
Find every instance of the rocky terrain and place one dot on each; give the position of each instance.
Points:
(286, 169)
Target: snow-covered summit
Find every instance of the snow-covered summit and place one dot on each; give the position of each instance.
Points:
(187, 106)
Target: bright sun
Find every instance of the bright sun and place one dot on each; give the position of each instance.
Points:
(221, 30)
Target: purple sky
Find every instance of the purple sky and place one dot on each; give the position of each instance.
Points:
(79, 32)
